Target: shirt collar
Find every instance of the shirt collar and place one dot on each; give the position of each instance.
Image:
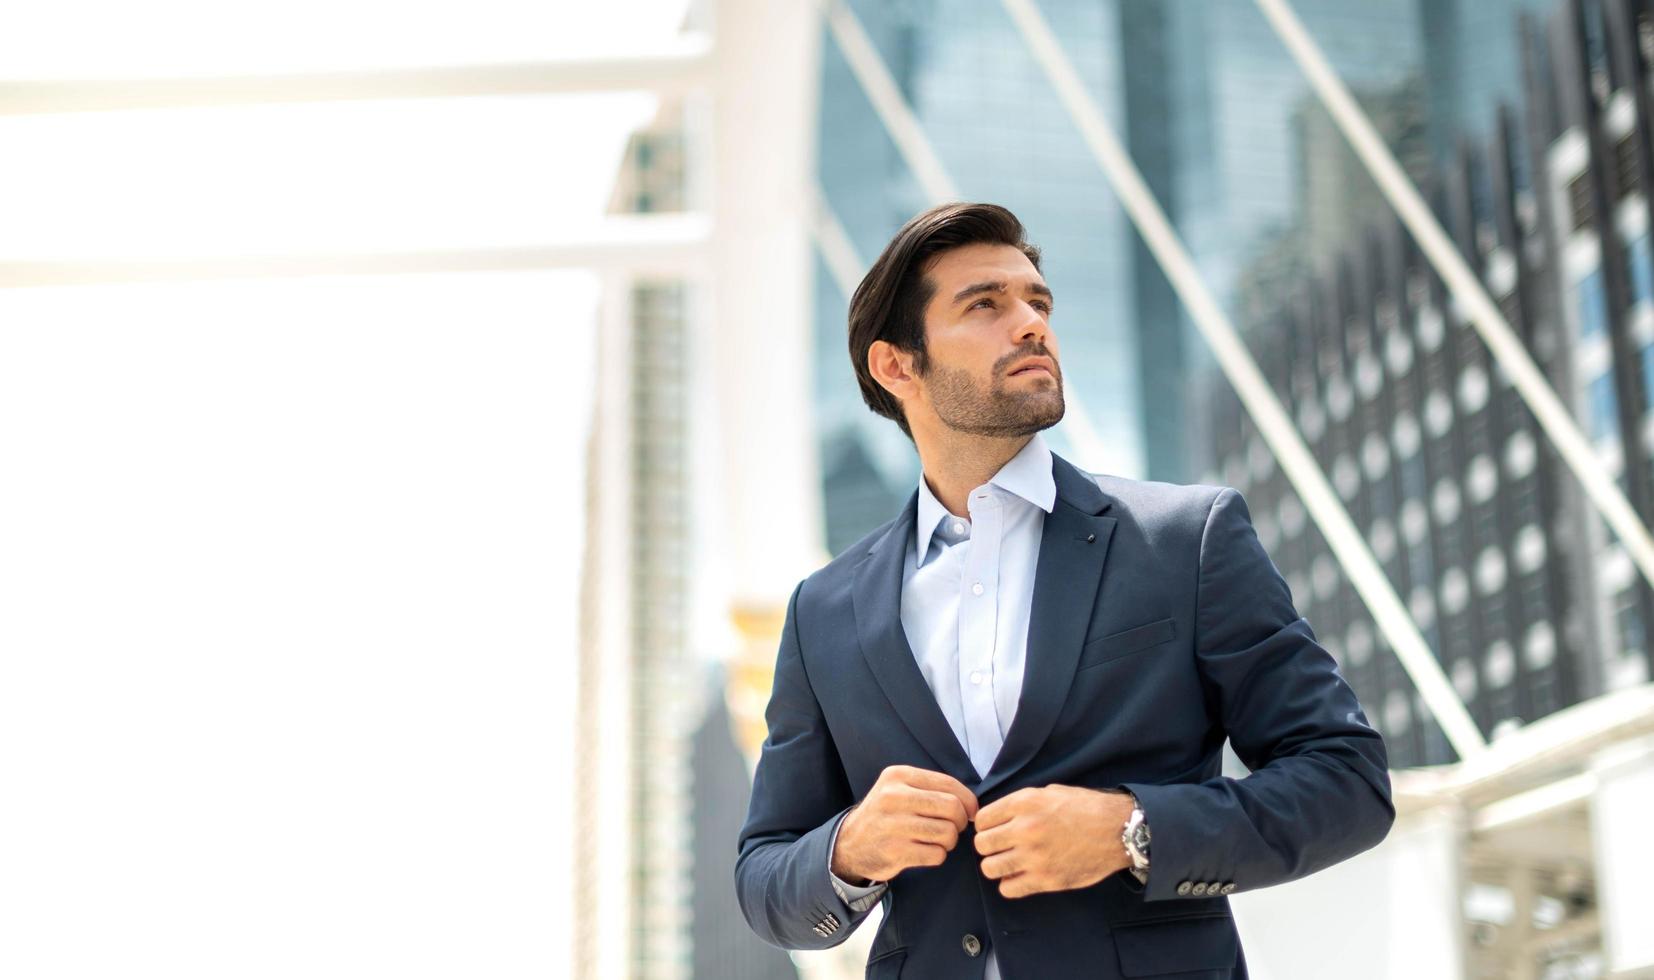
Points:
(930, 517)
(1027, 475)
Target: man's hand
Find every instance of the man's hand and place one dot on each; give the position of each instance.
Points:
(911, 818)
(1052, 838)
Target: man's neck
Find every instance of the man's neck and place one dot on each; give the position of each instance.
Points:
(957, 463)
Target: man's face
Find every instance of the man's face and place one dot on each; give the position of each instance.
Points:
(992, 354)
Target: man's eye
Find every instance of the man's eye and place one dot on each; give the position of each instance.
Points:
(1037, 304)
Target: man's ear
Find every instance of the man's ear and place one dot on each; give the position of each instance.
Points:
(892, 368)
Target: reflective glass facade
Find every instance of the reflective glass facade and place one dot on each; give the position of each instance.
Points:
(1514, 580)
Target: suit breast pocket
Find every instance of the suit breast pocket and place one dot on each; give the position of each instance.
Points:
(1107, 649)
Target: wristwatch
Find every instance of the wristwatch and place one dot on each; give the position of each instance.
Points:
(1135, 837)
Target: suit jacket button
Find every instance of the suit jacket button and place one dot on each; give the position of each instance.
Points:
(973, 945)
(1199, 889)
(1183, 887)
(1228, 887)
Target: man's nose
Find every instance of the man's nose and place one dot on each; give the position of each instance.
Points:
(1032, 327)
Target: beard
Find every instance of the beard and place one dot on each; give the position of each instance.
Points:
(964, 404)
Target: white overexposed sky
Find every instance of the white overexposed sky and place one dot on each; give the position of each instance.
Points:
(183, 38)
(316, 177)
(289, 567)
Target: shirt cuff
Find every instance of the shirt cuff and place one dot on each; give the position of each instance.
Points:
(860, 898)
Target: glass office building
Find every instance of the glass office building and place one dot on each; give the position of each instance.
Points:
(1515, 582)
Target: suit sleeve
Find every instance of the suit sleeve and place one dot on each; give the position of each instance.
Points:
(799, 795)
(1319, 790)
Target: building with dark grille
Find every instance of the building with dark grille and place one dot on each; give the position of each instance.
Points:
(1513, 579)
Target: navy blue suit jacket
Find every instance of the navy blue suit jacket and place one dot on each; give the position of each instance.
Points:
(1159, 627)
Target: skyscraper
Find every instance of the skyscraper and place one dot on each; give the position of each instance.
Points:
(1519, 587)
(633, 862)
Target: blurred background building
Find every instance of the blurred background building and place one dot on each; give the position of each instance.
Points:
(1517, 584)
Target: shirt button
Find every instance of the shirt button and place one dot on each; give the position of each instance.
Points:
(976, 589)
(976, 677)
(958, 528)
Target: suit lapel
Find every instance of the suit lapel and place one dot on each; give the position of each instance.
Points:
(1073, 547)
(876, 596)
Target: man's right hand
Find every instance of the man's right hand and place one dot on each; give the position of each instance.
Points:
(911, 818)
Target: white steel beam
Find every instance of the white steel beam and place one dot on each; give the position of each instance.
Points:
(1484, 314)
(1557, 742)
(668, 67)
(1535, 804)
(640, 244)
(843, 262)
(1259, 399)
(881, 89)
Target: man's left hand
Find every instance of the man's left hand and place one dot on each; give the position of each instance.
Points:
(1052, 838)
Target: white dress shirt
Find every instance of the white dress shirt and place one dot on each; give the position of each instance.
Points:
(967, 590)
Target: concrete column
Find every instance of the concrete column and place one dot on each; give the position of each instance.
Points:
(761, 179)
(1623, 844)
(1391, 913)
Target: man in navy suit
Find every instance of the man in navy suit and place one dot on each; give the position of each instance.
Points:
(1002, 713)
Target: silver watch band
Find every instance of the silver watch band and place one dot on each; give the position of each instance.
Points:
(1136, 825)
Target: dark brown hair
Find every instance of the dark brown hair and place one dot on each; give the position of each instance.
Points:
(890, 303)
